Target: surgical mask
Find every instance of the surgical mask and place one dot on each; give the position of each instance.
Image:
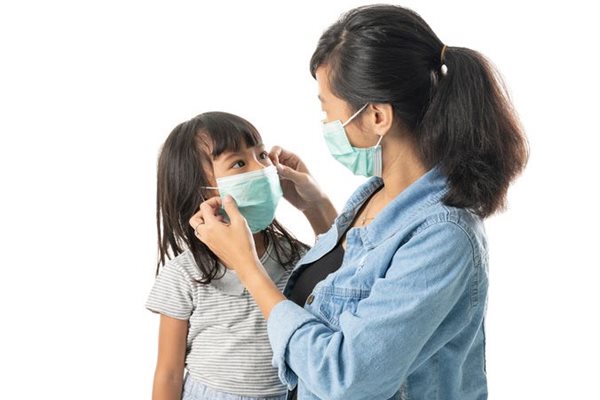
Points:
(361, 161)
(256, 193)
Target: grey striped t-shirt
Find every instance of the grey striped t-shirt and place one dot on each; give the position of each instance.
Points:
(227, 344)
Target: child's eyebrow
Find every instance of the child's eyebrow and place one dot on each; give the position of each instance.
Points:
(233, 154)
(229, 155)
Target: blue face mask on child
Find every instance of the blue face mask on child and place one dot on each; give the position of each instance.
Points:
(361, 161)
(256, 193)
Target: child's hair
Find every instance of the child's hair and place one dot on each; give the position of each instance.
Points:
(183, 165)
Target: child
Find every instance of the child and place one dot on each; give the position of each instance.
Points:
(209, 323)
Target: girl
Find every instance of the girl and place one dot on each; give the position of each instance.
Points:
(209, 323)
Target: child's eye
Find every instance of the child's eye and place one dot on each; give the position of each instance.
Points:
(264, 155)
(238, 164)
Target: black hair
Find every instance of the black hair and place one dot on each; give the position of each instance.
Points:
(184, 168)
(460, 115)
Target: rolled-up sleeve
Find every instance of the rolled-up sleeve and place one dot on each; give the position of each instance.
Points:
(371, 353)
(286, 318)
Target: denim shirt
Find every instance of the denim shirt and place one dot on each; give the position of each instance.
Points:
(402, 318)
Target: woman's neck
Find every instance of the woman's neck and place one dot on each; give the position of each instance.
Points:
(402, 167)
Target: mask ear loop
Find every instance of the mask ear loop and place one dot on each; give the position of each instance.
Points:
(379, 141)
(207, 187)
(355, 114)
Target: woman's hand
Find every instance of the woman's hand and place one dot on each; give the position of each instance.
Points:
(234, 245)
(231, 242)
(299, 187)
(302, 191)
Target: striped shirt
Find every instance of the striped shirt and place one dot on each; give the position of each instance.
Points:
(228, 347)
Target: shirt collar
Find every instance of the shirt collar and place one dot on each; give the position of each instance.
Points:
(231, 284)
(426, 190)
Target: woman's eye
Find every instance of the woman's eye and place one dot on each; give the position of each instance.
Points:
(238, 164)
(264, 155)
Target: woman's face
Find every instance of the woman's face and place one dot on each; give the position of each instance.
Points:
(338, 109)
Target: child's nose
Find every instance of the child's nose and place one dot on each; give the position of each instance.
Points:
(256, 165)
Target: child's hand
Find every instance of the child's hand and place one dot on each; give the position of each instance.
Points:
(231, 242)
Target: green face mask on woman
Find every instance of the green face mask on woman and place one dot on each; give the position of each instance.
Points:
(256, 193)
(360, 161)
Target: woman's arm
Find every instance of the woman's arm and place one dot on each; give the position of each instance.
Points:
(373, 349)
(302, 191)
(233, 244)
(260, 286)
(396, 327)
(321, 215)
(168, 377)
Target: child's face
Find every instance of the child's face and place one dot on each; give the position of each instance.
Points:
(246, 160)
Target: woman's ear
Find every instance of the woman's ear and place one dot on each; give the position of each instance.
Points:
(381, 118)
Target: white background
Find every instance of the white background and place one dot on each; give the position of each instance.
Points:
(90, 90)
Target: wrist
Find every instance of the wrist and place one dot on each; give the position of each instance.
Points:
(265, 292)
(250, 270)
(318, 206)
(321, 215)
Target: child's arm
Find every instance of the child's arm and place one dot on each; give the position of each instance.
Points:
(168, 377)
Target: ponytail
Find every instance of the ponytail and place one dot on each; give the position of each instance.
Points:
(471, 131)
(450, 99)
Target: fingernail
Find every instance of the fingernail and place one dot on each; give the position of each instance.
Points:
(228, 198)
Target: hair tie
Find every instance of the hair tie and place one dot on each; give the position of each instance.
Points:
(443, 68)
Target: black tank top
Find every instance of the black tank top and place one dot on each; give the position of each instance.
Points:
(315, 272)
(312, 274)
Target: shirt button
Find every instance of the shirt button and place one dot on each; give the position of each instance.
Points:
(310, 299)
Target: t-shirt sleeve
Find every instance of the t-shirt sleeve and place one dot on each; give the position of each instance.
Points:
(172, 293)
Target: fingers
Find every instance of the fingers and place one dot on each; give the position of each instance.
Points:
(231, 209)
(213, 202)
(196, 221)
(210, 209)
(287, 163)
(274, 154)
(290, 174)
(281, 156)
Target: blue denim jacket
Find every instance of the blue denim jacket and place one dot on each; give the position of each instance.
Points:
(403, 316)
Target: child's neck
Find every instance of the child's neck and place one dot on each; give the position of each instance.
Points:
(259, 242)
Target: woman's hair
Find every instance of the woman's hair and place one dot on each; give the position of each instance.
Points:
(459, 116)
(184, 167)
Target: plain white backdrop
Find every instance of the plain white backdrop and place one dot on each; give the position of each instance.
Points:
(90, 90)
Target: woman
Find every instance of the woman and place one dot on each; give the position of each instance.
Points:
(390, 301)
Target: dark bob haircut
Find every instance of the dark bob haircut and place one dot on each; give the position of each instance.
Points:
(184, 168)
